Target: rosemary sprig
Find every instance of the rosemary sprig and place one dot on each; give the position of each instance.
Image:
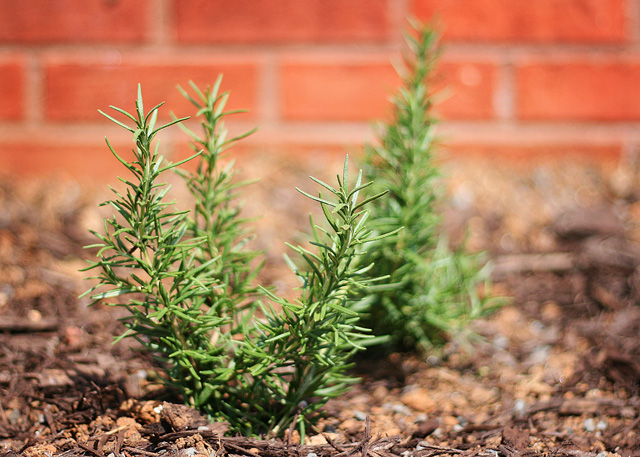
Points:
(434, 289)
(216, 216)
(316, 336)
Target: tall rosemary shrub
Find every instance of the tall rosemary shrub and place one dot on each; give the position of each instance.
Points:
(186, 280)
(434, 289)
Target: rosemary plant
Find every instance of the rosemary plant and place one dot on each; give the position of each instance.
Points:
(185, 279)
(434, 291)
(304, 351)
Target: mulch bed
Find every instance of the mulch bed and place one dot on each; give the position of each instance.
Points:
(556, 373)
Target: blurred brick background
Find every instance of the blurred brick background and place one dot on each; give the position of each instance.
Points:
(524, 78)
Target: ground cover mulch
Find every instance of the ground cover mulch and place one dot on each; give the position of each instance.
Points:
(555, 373)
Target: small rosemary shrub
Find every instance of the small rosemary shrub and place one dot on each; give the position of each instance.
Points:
(304, 352)
(434, 289)
(186, 281)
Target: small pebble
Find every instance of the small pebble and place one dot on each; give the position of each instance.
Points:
(540, 355)
(421, 418)
(519, 409)
(536, 327)
(14, 416)
(330, 429)
(360, 415)
(450, 421)
(434, 361)
(399, 408)
(6, 293)
(589, 425)
(501, 341)
(418, 400)
(33, 315)
(312, 454)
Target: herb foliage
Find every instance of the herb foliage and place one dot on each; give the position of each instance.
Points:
(187, 281)
(433, 290)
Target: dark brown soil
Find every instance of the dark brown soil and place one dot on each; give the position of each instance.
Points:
(556, 373)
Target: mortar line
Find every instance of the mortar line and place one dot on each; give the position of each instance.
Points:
(34, 103)
(269, 90)
(159, 23)
(632, 28)
(398, 11)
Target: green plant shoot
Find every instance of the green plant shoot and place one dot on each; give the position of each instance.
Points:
(433, 291)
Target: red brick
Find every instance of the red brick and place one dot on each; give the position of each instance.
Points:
(341, 91)
(84, 162)
(75, 91)
(282, 21)
(72, 21)
(468, 89)
(598, 91)
(541, 21)
(337, 91)
(12, 80)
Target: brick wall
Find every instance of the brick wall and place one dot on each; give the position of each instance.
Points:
(525, 78)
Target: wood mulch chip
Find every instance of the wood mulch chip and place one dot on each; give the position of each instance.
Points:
(555, 373)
